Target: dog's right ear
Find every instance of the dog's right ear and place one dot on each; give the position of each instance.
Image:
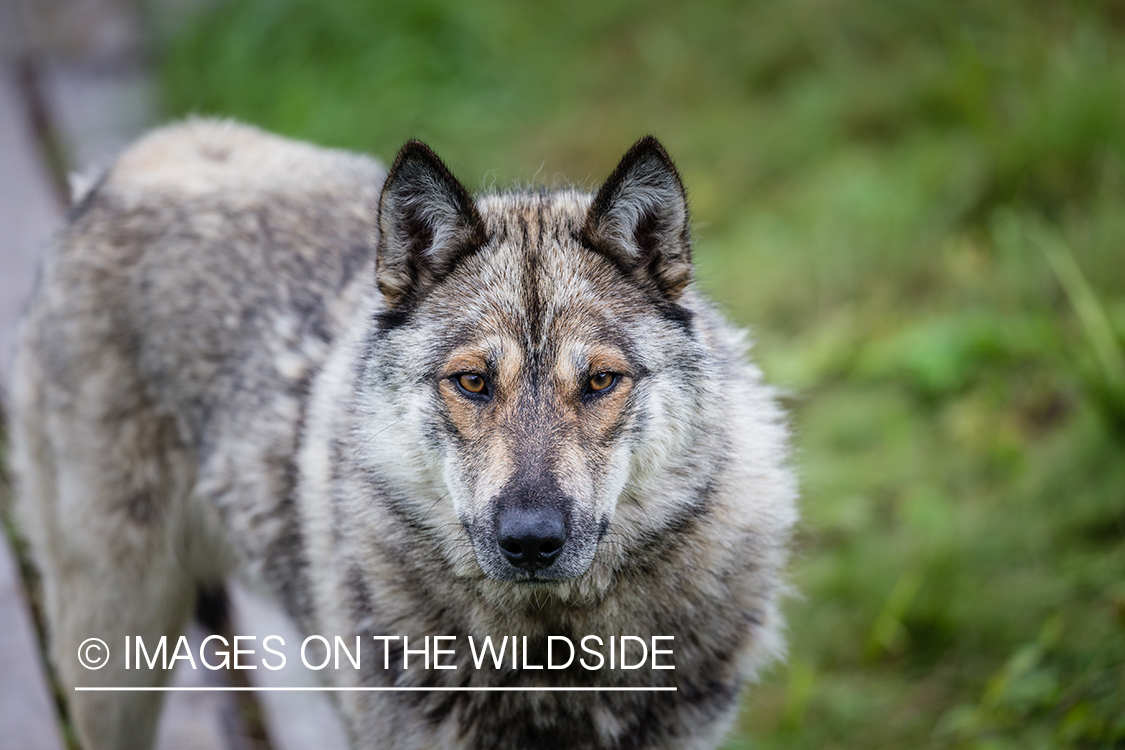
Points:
(427, 222)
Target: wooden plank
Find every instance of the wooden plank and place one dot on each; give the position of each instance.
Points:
(28, 720)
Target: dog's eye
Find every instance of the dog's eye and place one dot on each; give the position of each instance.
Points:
(601, 382)
(473, 384)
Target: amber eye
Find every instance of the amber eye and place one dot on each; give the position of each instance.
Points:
(601, 381)
(474, 384)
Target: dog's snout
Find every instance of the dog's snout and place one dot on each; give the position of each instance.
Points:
(531, 538)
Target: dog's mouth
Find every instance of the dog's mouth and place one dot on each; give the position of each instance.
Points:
(498, 566)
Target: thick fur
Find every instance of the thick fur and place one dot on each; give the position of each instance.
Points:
(243, 357)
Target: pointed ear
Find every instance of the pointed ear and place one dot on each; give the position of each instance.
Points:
(639, 219)
(427, 223)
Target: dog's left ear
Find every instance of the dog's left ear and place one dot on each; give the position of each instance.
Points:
(639, 219)
(427, 223)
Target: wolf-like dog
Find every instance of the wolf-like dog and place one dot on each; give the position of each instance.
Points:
(401, 409)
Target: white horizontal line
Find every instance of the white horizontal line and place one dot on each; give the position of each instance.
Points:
(377, 689)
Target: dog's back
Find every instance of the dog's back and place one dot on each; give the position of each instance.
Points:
(209, 256)
(176, 324)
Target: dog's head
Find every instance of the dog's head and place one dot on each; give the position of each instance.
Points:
(535, 360)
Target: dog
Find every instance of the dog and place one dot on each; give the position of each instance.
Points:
(402, 409)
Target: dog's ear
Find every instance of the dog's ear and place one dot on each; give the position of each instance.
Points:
(639, 219)
(427, 222)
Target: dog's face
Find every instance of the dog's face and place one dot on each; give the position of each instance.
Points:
(533, 351)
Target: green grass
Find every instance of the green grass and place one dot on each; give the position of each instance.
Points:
(919, 206)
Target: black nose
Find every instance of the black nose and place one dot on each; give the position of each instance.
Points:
(531, 538)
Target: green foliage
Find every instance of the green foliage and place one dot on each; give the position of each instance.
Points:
(919, 205)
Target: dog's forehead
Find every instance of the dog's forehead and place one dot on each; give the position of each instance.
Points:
(534, 268)
(511, 214)
(536, 235)
(535, 284)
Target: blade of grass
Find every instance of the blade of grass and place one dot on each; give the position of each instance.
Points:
(1091, 313)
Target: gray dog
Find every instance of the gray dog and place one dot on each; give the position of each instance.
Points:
(402, 411)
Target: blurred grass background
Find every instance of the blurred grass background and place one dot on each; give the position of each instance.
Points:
(918, 206)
